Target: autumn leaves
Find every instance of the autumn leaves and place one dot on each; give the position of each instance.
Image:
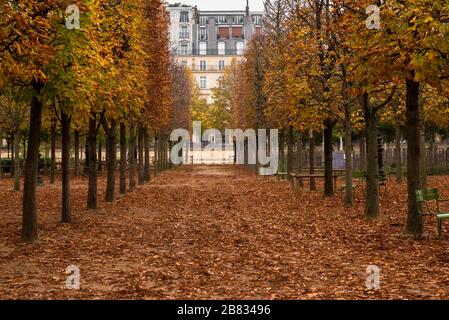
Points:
(96, 68)
(342, 65)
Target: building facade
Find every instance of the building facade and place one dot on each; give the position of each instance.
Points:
(207, 41)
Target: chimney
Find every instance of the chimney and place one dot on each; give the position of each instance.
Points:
(247, 8)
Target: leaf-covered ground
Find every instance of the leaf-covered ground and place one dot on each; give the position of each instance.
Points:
(216, 232)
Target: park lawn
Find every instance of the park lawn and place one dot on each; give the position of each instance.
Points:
(215, 232)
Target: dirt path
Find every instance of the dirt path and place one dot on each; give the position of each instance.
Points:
(217, 232)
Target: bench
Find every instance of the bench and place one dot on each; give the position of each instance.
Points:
(6, 169)
(382, 182)
(281, 175)
(392, 171)
(354, 187)
(297, 179)
(424, 198)
(321, 170)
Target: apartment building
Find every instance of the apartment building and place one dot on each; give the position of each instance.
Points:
(207, 41)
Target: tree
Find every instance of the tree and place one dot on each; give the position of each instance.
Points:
(13, 116)
(25, 50)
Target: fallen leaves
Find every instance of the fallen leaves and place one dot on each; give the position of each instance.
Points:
(216, 232)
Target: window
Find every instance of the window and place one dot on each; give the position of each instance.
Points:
(203, 33)
(203, 65)
(237, 32)
(240, 47)
(183, 49)
(184, 16)
(221, 65)
(238, 20)
(257, 19)
(184, 63)
(203, 82)
(184, 32)
(222, 20)
(203, 48)
(221, 48)
(223, 33)
(220, 82)
(204, 20)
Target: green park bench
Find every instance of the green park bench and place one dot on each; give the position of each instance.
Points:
(281, 175)
(297, 180)
(425, 197)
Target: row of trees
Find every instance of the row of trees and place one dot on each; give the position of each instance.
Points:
(114, 73)
(330, 64)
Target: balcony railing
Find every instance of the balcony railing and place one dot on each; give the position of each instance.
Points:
(205, 69)
(242, 37)
(210, 52)
(184, 35)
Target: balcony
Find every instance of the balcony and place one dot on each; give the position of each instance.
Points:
(206, 69)
(210, 52)
(241, 37)
(184, 35)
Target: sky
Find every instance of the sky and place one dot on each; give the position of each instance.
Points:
(204, 5)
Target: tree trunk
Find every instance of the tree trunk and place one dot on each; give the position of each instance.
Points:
(111, 161)
(122, 157)
(1, 156)
(24, 148)
(132, 155)
(282, 151)
(86, 155)
(160, 156)
(165, 148)
(12, 156)
(372, 175)
(397, 154)
(328, 172)
(66, 214)
(423, 155)
(53, 150)
(290, 152)
(312, 160)
(100, 153)
(299, 157)
(156, 154)
(164, 153)
(433, 150)
(29, 222)
(141, 177)
(414, 220)
(147, 155)
(16, 162)
(348, 158)
(92, 138)
(77, 152)
(161, 153)
(362, 146)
